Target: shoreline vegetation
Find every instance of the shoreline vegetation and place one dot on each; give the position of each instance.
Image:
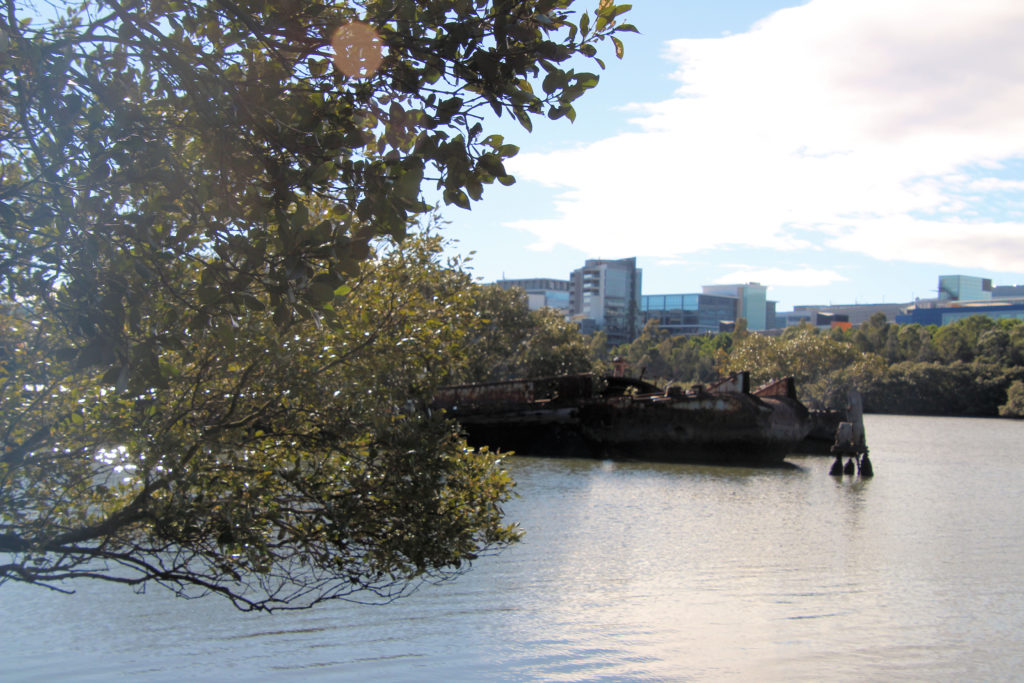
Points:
(971, 368)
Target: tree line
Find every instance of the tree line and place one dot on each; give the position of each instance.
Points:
(974, 366)
(971, 367)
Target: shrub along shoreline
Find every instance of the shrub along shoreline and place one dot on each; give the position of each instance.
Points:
(973, 367)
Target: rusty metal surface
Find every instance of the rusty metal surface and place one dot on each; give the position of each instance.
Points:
(520, 392)
(780, 388)
(622, 417)
(736, 383)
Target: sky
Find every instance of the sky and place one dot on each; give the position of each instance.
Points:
(838, 152)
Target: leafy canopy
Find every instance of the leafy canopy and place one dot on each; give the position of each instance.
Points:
(216, 349)
(510, 341)
(968, 367)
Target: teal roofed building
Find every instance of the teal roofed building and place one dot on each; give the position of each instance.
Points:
(964, 288)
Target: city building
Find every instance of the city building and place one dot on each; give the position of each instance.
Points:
(944, 315)
(689, 314)
(607, 294)
(820, 319)
(751, 303)
(855, 314)
(1008, 291)
(541, 292)
(961, 296)
(964, 288)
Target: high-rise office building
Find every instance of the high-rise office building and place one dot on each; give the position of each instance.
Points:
(605, 295)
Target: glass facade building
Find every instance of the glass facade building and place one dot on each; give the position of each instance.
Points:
(944, 315)
(688, 314)
(753, 303)
(607, 293)
(541, 292)
(964, 288)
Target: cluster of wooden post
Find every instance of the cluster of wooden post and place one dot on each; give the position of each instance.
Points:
(850, 442)
(856, 465)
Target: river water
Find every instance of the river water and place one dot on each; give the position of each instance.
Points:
(636, 571)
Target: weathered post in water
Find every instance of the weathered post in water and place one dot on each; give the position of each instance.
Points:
(851, 441)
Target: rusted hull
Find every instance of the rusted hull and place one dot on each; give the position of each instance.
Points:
(731, 427)
(822, 433)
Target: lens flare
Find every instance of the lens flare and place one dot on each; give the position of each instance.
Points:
(358, 50)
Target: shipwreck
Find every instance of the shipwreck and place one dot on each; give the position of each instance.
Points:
(627, 418)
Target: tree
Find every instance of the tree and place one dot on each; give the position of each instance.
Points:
(215, 350)
(993, 346)
(915, 343)
(956, 388)
(275, 467)
(758, 354)
(509, 341)
(1014, 406)
(815, 361)
(597, 349)
(965, 368)
(555, 346)
(1016, 349)
(644, 353)
(973, 327)
(500, 331)
(833, 389)
(952, 344)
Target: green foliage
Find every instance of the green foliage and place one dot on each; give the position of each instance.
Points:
(1014, 406)
(817, 362)
(509, 341)
(215, 349)
(597, 346)
(832, 390)
(683, 360)
(957, 388)
(648, 351)
(554, 347)
(915, 343)
(964, 368)
(182, 143)
(952, 344)
(276, 465)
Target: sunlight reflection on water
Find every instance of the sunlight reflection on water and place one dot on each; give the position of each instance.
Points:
(635, 570)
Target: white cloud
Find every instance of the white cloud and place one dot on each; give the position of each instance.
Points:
(995, 184)
(986, 245)
(803, 276)
(872, 126)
